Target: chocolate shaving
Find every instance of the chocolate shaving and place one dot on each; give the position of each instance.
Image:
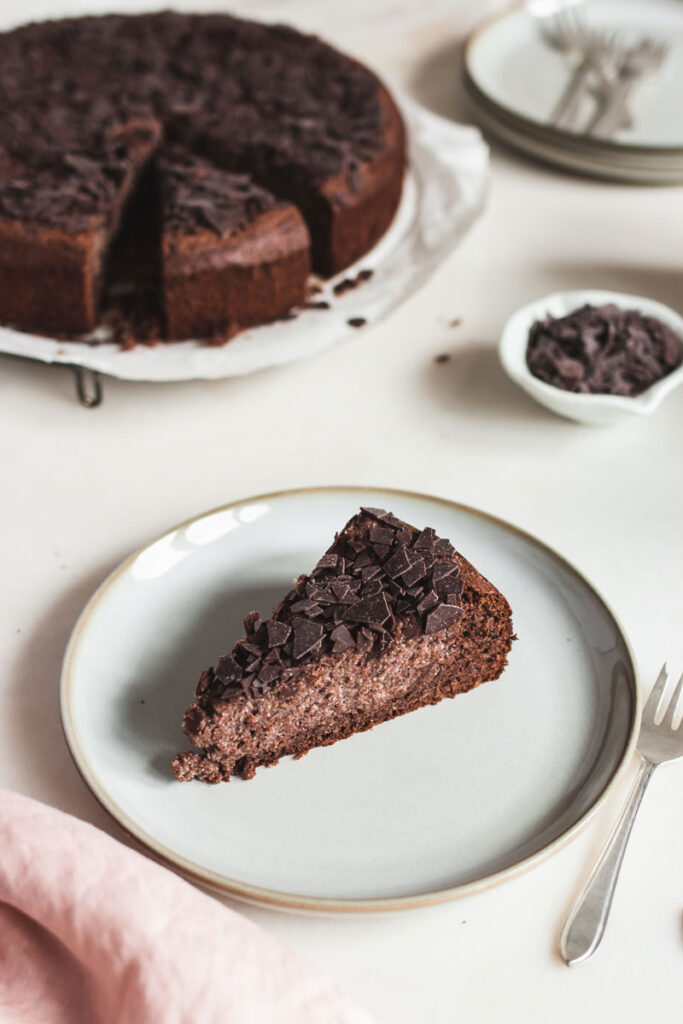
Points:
(227, 669)
(251, 621)
(603, 350)
(442, 617)
(381, 535)
(205, 681)
(268, 674)
(373, 610)
(278, 632)
(378, 577)
(397, 564)
(307, 636)
(342, 638)
(328, 561)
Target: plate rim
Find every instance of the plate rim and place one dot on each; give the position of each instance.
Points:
(274, 899)
(606, 146)
(570, 160)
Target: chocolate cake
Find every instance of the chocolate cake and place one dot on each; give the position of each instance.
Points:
(391, 619)
(303, 124)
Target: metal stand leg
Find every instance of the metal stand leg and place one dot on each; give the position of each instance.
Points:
(88, 386)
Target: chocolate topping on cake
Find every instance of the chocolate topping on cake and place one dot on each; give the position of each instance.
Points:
(67, 87)
(197, 195)
(379, 579)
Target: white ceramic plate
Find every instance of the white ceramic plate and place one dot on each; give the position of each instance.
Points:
(566, 153)
(515, 80)
(601, 410)
(509, 62)
(430, 806)
(444, 193)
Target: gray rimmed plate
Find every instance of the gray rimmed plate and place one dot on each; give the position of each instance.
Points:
(515, 80)
(433, 805)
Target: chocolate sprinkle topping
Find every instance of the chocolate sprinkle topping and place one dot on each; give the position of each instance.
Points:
(273, 98)
(194, 194)
(381, 578)
(603, 350)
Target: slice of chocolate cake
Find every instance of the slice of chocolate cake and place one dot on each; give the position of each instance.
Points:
(58, 215)
(233, 255)
(391, 619)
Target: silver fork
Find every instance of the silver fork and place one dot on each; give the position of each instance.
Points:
(657, 742)
(597, 54)
(646, 56)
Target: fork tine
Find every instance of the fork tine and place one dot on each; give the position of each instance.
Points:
(655, 698)
(673, 704)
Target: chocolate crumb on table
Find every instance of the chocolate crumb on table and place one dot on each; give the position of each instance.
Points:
(442, 358)
(357, 321)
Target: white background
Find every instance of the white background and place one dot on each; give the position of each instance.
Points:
(81, 489)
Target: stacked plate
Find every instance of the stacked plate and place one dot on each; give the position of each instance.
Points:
(515, 79)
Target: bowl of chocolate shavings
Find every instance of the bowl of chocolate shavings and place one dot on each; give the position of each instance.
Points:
(594, 356)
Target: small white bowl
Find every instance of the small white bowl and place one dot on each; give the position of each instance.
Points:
(596, 409)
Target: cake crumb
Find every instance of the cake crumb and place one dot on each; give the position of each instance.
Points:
(442, 358)
(347, 284)
(455, 322)
(357, 321)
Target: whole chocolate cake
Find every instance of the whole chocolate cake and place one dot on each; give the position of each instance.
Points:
(306, 145)
(391, 619)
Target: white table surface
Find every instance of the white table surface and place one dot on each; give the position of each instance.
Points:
(81, 489)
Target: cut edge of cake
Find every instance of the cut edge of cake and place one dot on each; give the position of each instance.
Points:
(233, 254)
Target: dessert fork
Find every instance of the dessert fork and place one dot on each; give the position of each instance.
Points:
(658, 741)
(597, 54)
(646, 56)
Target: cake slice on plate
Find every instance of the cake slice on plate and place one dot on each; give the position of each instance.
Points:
(391, 618)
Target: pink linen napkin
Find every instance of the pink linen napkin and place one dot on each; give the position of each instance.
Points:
(93, 933)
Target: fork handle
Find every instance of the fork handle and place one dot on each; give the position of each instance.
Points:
(566, 112)
(585, 926)
(613, 114)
